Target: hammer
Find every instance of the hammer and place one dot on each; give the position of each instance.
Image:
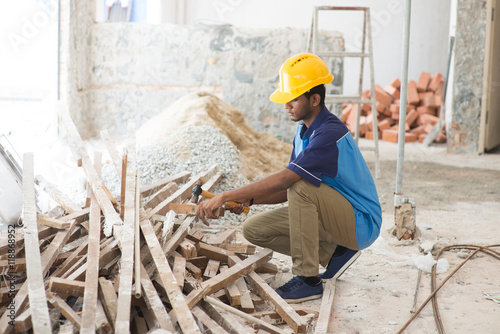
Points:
(197, 191)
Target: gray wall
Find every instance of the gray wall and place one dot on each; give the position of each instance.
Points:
(135, 71)
(463, 128)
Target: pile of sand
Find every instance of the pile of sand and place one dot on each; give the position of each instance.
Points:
(260, 153)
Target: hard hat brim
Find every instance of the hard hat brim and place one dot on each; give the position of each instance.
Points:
(281, 97)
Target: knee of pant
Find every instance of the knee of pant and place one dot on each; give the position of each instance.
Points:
(248, 231)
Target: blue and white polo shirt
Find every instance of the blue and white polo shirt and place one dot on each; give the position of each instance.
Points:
(327, 153)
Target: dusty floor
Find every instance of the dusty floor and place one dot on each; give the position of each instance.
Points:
(457, 202)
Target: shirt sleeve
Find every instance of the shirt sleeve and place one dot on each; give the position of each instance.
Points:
(320, 157)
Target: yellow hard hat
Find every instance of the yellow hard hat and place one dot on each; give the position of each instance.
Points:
(299, 74)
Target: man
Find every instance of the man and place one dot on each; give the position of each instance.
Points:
(333, 209)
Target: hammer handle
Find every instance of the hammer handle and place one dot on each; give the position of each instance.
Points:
(207, 194)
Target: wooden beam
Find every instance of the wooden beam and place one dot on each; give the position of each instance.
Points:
(232, 274)
(179, 270)
(184, 316)
(184, 192)
(288, 314)
(137, 236)
(213, 252)
(208, 322)
(44, 232)
(123, 182)
(34, 272)
(65, 287)
(113, 153)
(112, 217)
(65, 310)
(178, 236)
(160, 196)
(155, 305)
(326, 307)
(107, 296)
(228, 321)
(155, 187)
(53, 222)
(92, 273)
(211, 269)
(64, 201)
(225, 237)
(127, 239)
(246, 300)
(232, 291)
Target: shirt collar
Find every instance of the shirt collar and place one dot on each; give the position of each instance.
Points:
(307, 132)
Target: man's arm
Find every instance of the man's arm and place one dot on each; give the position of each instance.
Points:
(269, 190)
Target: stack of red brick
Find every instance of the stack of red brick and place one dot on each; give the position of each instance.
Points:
(422, 110)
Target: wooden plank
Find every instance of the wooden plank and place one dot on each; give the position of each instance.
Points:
(184, 192)
(178, 236)
(209, 184)
(137, 237)
(208, 322)
(112, 217)
(211, 269)
(187, 249)
(64, 201)
(160, 196)
(326, 307)
(225, 237)
(102, 324)
(92, 273)
(127, 239)
(139, 325)
(18, 267)
(246, 300)
(108, 298)
(232, 274)
(155, 305)
(53, 222)
(65, 287)
(197, 272)
(34, 272)
(179, 270)
(282, 307)
(213, 252)
(232, 291)
(239, 249)
(44, 232)
(184, 316)
(156, 186)
(123, 183)
(23, 322)
(65, 309)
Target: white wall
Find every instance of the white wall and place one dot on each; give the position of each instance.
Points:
(429, 29)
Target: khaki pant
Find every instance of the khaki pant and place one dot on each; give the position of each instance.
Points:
(309, 229)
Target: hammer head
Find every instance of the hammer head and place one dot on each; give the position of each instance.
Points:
(196, 192)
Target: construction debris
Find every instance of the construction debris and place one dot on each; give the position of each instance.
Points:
(94, 271)
(424, 101)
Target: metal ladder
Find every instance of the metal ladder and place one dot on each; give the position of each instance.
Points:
(312, 46)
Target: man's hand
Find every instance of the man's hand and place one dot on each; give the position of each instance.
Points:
(206, 208)
(238, 209)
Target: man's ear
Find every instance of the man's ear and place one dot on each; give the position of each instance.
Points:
(315, 100)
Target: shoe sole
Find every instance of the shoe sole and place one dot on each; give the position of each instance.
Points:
(295, 301)
(344, 267)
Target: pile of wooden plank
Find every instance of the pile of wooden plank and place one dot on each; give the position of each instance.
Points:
(139, 263)
(424, 100)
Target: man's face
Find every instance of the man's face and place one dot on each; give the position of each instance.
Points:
(299, 108)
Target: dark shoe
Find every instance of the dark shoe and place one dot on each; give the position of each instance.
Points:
(340, 261)
(297, 291)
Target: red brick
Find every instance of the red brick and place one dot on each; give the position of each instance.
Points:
(427, 119)
(411, 117)
(346, 111)
(369, 122)
(441, 137)
(432, 101)
(410, 137)
(426, 110)
(382, 96)
(385, 124)
(423, 81)
(440, 88)
(424, 95)
(418, 130)
(362, 126)
(396, 83)
(390, 135)
(394, 107)
(393, 91)
(395, 115)
(412, 95)
(366, 107)
(421, 137)
(435, 80)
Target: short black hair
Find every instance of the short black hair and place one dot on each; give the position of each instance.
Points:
(321, 90)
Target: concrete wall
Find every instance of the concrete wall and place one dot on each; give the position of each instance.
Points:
(463, 127)
(135, 71)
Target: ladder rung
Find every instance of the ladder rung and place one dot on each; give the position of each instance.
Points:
(342, 54)
(346, 99)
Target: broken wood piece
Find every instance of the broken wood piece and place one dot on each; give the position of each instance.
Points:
(213, 252)
(208, 322)
(225, 237)
(179, 270)
(102, 324)
(232, 274)
(137, 236)
(92, 273)
(228, 321)
(34, 272)
(211, 269)
(65, 310)
(65, 287)
(187, 249)
(184, 316)
(161, 195)
(282, 307)
(127, 239)
(123, 183)
(53, 222)
(23, 322)
(168, 227)
(232, 291)
(108, 298)
(326, 307)
(246, 300)
(197, 273)
(268, 327)
(113, 153)
(178, 236)
(155, 187)
(64, 201)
